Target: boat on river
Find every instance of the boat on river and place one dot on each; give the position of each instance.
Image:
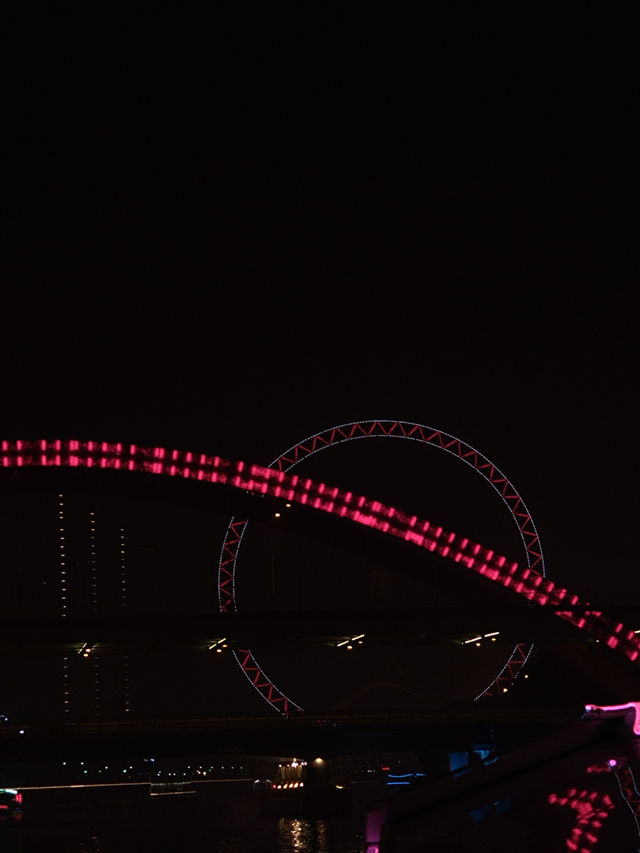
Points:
(302, 789)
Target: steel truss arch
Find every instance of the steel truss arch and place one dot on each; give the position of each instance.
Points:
(384, 428)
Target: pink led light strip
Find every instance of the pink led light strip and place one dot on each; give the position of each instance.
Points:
(420, 533)
(599, 710)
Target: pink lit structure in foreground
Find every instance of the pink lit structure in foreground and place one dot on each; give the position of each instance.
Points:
(614, 710)
(592, 807)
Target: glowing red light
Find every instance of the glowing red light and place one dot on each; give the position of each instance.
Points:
(591, 809)
(372, 513)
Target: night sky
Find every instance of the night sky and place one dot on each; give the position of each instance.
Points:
(227, 232)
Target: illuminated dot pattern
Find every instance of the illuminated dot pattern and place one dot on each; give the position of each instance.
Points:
(591, 809)
(65, 685)
(123, 608)
(123, 571)
(62, 558)
(92, 563)
(125, 666)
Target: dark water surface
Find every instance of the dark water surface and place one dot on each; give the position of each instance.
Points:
(220, 817)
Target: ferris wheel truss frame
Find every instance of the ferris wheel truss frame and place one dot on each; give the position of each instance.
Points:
(381, 428)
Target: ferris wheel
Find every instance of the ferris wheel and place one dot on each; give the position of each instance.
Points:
(388, 429)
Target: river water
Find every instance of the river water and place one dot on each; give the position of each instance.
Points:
(218, 818)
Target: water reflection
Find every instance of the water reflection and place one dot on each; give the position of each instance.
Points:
(298, 835)
(91, 845)
(218, 819)
(307, 835)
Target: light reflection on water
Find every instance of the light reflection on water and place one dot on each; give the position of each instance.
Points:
(220, 819)
(301, 835)
(293, 835)
(297, 836)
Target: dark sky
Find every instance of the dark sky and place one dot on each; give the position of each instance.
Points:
(225, 232)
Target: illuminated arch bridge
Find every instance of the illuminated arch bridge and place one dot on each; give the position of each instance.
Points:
(357, 509)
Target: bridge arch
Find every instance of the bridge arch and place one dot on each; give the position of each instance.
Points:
(358, 509)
